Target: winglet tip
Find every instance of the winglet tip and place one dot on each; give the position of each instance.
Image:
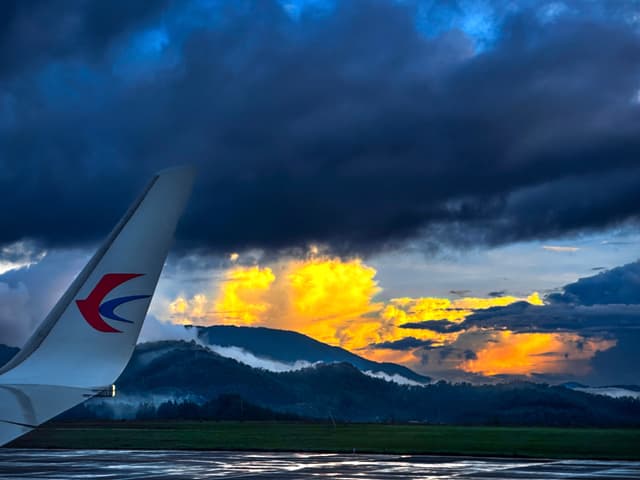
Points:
(185, 169)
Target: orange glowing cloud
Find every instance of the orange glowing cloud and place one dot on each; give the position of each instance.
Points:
(243, 296)
(334, 301)
(326, 298)
(329, 298)
(526, 353)
(408, 310)
(400, 311)
(241, 299)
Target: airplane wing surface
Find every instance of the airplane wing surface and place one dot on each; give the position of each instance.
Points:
(87, 339)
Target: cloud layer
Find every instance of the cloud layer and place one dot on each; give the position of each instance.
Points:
(588, 330)
(358, 126)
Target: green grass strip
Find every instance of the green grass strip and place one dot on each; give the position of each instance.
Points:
(371, 438)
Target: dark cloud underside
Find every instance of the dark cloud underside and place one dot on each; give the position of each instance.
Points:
(603, 306)
(619, 285)
(351, 127)
(406, 343)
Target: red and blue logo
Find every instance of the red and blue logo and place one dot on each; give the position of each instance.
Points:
(93, 308)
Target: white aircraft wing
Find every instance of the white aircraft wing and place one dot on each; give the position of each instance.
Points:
(87, 339)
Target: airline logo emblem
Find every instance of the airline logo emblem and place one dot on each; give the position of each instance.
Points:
(95, 310)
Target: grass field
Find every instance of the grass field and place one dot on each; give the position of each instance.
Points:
(499, 441)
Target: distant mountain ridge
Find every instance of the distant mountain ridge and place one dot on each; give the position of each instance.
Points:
(289, 347)
(179, 373)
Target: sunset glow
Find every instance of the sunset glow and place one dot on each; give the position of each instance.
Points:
(400, 213)
(525, 353)
(336, 301)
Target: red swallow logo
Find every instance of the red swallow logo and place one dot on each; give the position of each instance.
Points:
(93, 309)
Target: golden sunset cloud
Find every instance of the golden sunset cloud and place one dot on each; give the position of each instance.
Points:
(524, 353)
(335, 301)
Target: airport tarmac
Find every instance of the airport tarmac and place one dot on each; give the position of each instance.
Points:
(159, 464)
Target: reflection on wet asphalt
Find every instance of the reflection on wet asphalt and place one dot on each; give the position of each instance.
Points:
(161, 464)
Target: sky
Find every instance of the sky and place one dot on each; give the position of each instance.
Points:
(450, 185)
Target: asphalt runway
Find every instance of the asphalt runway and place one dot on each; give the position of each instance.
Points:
(158, 464)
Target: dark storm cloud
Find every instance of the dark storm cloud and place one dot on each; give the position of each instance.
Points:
(603, 306)
(37, 31)
(439, 326)
(446, 359)
(585, 320)
(407, 343)
(460, 293)
(497, 293)
(619, 285)
(351, 127)
(619, 364)
(470, 355)
(597, 305)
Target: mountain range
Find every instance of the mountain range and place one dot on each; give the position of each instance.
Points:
(327, 383)
(186, 371)
(289, 348)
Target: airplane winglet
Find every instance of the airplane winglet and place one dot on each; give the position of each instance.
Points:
(88, 337)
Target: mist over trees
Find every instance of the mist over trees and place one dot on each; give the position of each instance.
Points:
(190, 382)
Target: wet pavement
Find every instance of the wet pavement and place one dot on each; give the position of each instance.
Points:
(169, 464)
